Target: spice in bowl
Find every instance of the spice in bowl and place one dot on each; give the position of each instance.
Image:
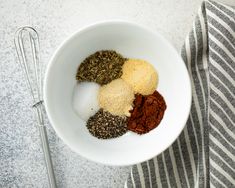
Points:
(101, 67)
(140, 75)
(85, 99)
(147, 113)
(116, 97)
(104, 125)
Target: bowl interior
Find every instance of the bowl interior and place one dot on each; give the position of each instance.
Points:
(131, 41)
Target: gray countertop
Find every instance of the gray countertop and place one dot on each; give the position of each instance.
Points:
(21, 158)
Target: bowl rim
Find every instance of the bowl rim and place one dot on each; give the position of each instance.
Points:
(62, 46)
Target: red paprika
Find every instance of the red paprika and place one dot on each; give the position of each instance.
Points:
(147, 113)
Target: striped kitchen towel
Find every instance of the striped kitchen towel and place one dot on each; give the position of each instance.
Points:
(204, 153)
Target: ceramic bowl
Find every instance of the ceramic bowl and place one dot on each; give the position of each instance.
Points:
(133, 41)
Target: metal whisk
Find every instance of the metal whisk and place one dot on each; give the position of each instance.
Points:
(27, 47)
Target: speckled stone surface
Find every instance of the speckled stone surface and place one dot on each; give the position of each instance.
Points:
(21, 158)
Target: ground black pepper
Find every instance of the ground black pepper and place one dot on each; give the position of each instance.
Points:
(104, 125)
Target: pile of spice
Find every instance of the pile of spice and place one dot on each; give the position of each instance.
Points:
(118, 95)
(101, 67)
(147, 113)
(85, 99)
(105, 125)
(140, 75)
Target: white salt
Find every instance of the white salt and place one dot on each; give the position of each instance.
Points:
(85, 99)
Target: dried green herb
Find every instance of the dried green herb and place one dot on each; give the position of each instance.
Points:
(104, 125)
(101, 67)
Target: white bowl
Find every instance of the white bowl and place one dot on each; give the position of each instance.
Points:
(133, 41)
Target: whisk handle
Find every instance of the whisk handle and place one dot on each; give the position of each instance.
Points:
(47, 156)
